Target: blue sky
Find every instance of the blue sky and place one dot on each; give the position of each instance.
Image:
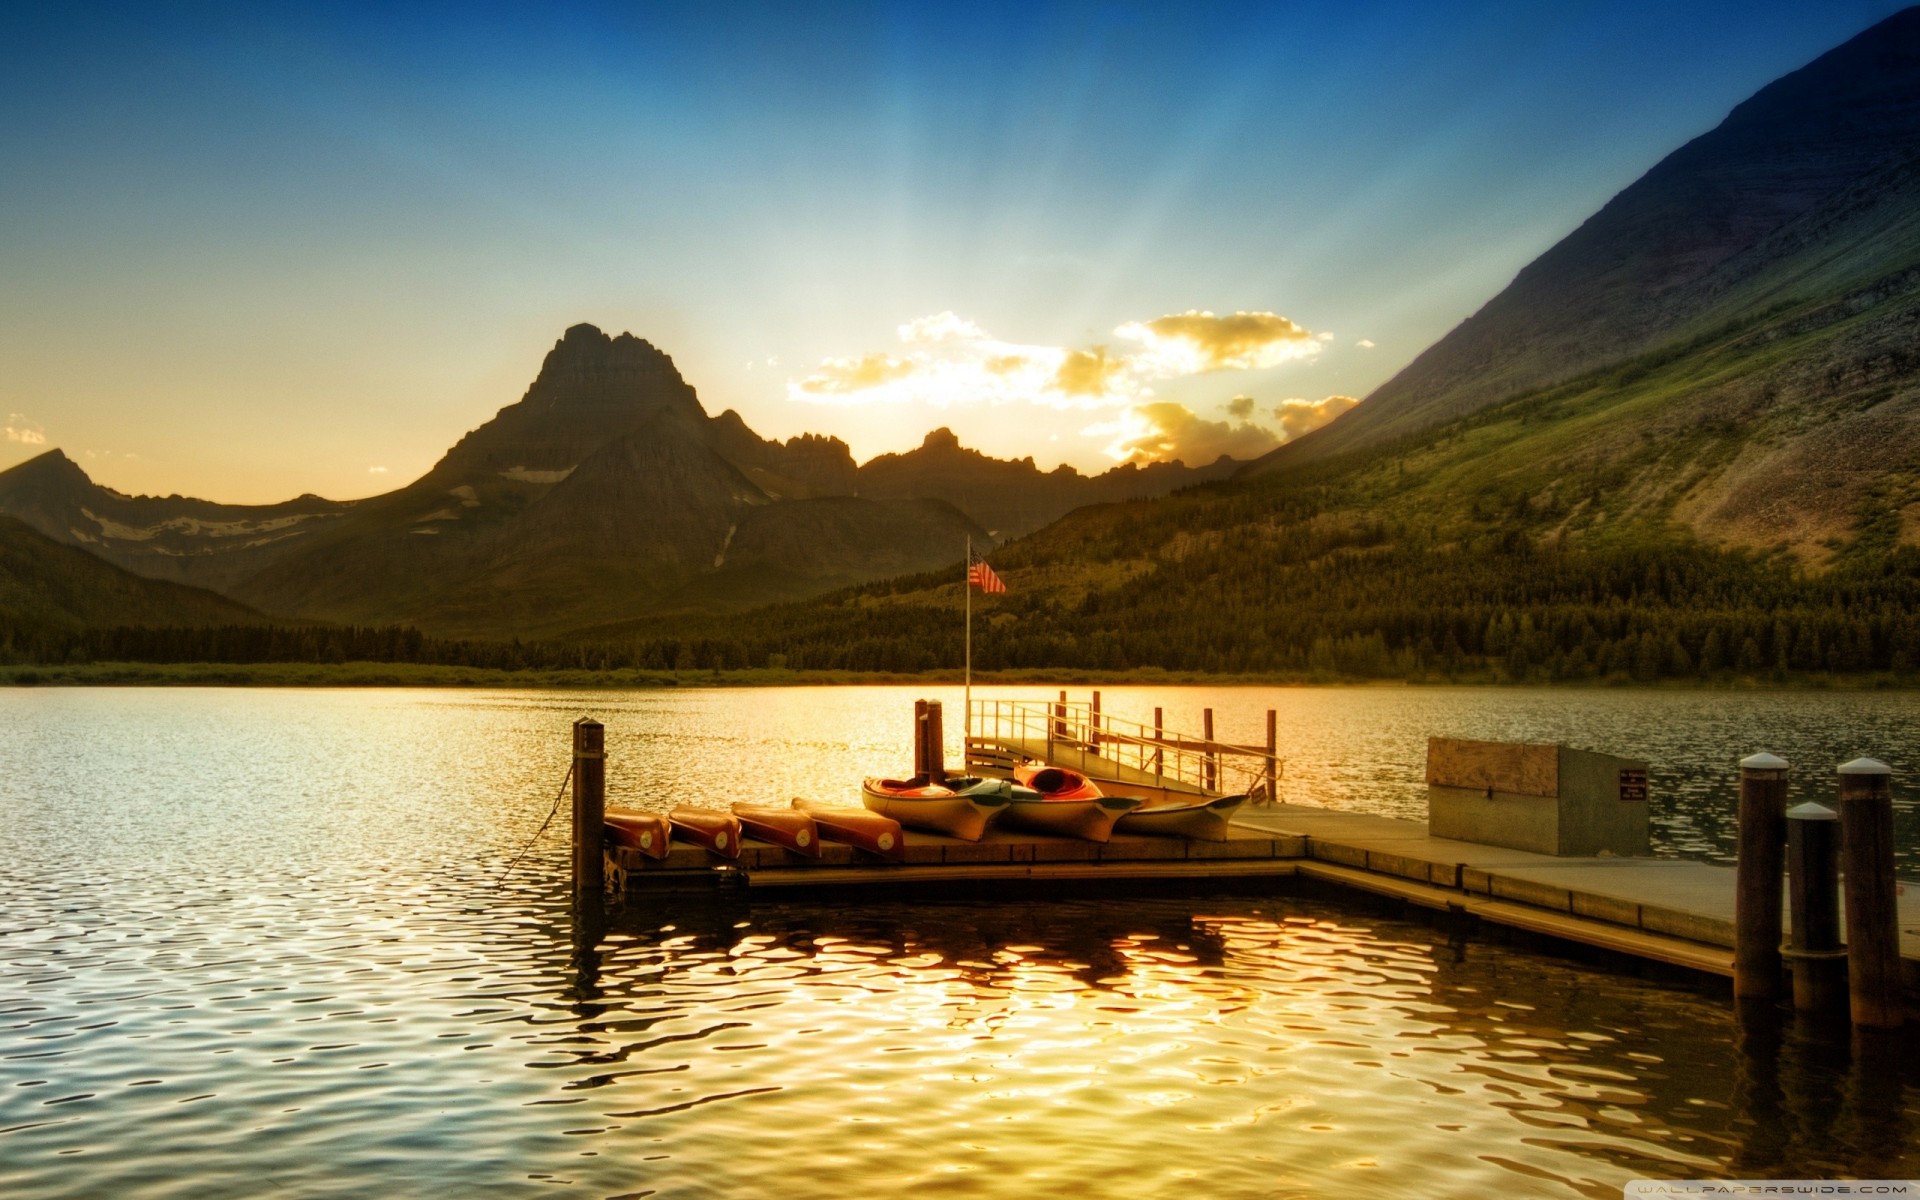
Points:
(253, 251)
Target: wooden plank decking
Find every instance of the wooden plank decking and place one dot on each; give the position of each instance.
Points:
(1662, 910)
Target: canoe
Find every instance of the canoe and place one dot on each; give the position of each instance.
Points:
(963, 812)
(1199, 819)
(782, 827)
(857, 827)
(718, 831)
(1090, 820)
(647, 832)
(1056, 783)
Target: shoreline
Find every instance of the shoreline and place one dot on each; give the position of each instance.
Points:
(375, 674)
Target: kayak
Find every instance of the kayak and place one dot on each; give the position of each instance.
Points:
(1201, 819)
(1056, 783)
(646, 832)
(1090, 820)
(962, 808)
(783, 827)
(857, 827)
(718, 831)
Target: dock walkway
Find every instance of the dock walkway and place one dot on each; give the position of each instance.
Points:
(1668, 910)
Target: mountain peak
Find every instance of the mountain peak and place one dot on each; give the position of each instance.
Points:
(941, 439)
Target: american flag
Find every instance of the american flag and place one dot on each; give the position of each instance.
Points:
(980, 575)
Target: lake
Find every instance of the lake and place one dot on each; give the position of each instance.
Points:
(295, 942)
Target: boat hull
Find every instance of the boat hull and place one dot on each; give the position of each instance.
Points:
(783, 827)
(718, 832)
(647, 832)
(856, 827)
(934, 809)
(1056, 783)
(1088, 820)
(1200, 821)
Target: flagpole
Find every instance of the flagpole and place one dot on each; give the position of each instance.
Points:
(966, 703)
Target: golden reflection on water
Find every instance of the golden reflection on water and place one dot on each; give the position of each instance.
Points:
(260, 941)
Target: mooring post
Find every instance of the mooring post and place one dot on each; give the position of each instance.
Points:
(1273, 757)
(1813, 900)
(1873, 922)
(1209, 765)
(1159, 747)
(919, 738)
(1757, 877)
(1093, 742)
(936, 744)
(1060, 717)
(589, 809)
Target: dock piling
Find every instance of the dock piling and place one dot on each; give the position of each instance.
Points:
(589, 809)
(1159, 750)
(1273, 756)
(1093, 734)
(919, 738)
(1813, 949)
(1757, 877)
(1209, 762)
(1873, 924)
(936, 742)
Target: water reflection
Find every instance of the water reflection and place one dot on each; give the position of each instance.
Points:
(256, 940)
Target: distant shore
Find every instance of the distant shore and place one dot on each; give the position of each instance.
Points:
(375, 674)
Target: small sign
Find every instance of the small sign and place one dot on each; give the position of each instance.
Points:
(1633, 785)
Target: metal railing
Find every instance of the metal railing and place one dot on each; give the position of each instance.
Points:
(1167, 758)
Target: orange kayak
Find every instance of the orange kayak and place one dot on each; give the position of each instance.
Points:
(857, 827)
(646, 832)
(718, 831)
(780, 827)
(1056, 783)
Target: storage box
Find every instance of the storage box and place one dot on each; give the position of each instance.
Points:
(1537, 796)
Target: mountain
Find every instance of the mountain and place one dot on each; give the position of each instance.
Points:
(175, 538)
(1808, 192)
(48, 587)
(1685, 442)
(606, 493)
(1015, 497)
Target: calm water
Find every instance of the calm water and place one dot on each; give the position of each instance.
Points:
(262, 943)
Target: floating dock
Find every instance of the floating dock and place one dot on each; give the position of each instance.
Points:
(1667, 911)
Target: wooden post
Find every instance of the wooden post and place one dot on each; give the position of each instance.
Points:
(936, 744)
(1209, 765)
(1873, 922)
(589, 809)
(919, 738)
(1273, 757)
(1757, 877)
(1093, 743)
(1813, 897)
(1159, 750)
(1060, 717)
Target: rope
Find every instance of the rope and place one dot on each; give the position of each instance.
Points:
(557, 796)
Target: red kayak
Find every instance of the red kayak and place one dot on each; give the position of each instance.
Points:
(718, 831)
(858, 828)
(646, 832)
(1056, 783)
(783, 827)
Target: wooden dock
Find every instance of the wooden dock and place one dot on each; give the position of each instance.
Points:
(1666, 911)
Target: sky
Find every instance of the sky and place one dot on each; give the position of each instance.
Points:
(253, 251)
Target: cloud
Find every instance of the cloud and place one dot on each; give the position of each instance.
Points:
(1365, 343)
(944, 360)
(27, 433)
(376, 470)
(1241, 407)
(842, 376)
(1298, 417)
(1195, 342)
(1087, 372)
(1164, 430)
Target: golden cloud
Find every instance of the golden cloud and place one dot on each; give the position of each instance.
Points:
(19, 429)
(1240, 407)
(840, 376)
(1086, 372)
(1192, 342)
(1166, 431)
(1299, 417)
